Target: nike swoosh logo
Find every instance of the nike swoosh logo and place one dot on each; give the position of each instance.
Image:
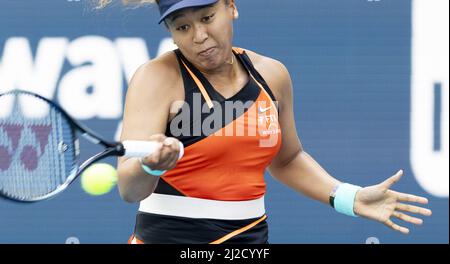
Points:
(262, 110)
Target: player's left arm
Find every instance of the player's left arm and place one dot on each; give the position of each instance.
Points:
(294, 167)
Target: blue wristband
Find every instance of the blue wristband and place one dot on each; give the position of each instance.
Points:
(345, 199)
(147, 169)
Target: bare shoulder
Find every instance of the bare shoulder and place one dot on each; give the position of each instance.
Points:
(159, 76)
(151, 92)
(273, 71)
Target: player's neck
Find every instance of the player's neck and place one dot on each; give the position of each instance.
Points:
(228, 72)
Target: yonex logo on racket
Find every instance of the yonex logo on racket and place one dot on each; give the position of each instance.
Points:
(21, 147)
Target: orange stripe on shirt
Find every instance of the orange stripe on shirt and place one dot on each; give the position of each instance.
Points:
(200, 86)
(239, 231)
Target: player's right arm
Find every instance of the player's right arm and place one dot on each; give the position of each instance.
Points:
(149, 97)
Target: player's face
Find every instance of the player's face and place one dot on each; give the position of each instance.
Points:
(204, 35)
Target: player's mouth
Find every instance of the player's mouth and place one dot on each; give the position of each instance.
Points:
(207, 52)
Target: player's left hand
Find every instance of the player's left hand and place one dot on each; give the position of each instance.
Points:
(380, 203)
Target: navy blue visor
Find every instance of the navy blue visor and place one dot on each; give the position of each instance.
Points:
(167, 7)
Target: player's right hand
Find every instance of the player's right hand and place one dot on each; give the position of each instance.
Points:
(166, 155)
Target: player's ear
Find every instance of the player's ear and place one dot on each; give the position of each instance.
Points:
(234, 8)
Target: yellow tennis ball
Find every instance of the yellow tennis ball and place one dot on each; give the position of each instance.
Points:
(98, 179)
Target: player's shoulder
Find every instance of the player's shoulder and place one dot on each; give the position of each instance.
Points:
(157, 75)
(265, 63)
(163, 67)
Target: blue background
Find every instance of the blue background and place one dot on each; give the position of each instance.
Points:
(350, 64)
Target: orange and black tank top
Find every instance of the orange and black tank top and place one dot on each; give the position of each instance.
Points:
(228, 142)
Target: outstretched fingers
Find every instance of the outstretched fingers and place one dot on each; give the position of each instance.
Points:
(396, 227)
(413, 209)
(405, 197)
(393, 179)
(407, 218)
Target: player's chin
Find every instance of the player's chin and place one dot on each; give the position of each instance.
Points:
(212, 64)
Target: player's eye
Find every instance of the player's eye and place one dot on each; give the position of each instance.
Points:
(182, 28)
(207, 18)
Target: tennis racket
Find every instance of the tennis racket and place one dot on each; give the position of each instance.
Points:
(39, 147)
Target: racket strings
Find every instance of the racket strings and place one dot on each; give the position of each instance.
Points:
(36, 154)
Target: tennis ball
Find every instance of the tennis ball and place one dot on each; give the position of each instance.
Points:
(98, 179)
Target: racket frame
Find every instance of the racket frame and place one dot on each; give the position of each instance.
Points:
(111, 148)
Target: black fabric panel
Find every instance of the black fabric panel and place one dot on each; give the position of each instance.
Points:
(164, 188)
(161, 229)
(249, 65)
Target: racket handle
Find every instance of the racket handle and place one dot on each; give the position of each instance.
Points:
(140, 149)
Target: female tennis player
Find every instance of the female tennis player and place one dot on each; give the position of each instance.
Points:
(215, 192)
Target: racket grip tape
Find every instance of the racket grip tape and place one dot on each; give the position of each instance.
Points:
(140, 149)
